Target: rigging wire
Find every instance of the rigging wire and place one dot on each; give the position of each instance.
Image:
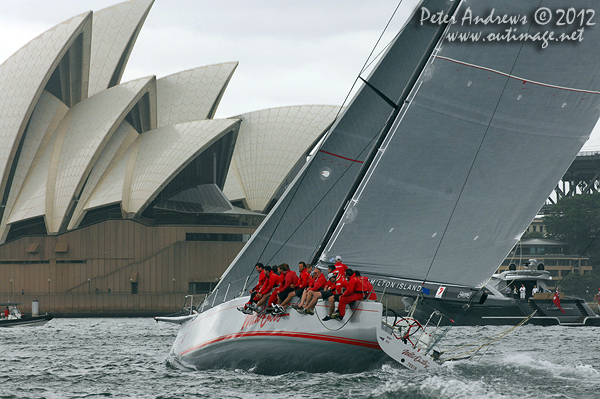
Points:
(487, 342)
(367, 63)
(474, 158)
(335, 329)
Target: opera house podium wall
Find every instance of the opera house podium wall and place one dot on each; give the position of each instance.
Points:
(116, 267)
(120, 198)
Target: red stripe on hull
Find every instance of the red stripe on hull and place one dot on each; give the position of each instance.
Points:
(289, 334)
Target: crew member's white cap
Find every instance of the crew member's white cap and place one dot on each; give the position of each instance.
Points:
(338, 258)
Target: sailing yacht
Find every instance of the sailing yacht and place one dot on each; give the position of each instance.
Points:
(424, 184)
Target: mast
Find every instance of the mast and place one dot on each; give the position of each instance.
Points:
(397, 107)
(297, 224)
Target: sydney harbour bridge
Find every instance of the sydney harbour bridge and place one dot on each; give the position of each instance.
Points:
(582, 177)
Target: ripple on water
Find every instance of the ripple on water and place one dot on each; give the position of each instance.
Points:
(129, 358)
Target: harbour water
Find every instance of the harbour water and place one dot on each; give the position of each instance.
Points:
(128, 358)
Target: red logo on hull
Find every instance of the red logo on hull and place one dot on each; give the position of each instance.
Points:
(263, 319)
(418, 359)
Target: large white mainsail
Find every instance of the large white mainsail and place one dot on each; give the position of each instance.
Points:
(295, 227)
(488, 131)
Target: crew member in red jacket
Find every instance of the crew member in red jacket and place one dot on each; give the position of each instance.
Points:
(256, 296)
(261, 278)
(299, 286)
(353, 293)
(286, 286)
(340, 285)
(304, 295)
(367, 288)
(270, 296)
(318, 284)
(340, 268)
(327, 292)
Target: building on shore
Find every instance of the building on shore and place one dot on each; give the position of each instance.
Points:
(121, 198)
(554, 255)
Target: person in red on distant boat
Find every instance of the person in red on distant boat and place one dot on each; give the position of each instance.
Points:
(6, 313)
(318, 284)
(556, 300)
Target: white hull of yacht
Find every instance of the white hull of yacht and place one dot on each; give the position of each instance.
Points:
(223, 337)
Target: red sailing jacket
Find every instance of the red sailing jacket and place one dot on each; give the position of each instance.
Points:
(294, 279)
(329, 286)
(269, 284)
(340, 268)
(367, 288)
(280, 280)
(319, 283)
(261, 281)
(303, 279)
(340, 284)
(354, 284)
(287, 280)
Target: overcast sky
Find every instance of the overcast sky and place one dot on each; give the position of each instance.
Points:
(291, 52)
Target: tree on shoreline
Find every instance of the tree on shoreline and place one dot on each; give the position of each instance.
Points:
(576, 222)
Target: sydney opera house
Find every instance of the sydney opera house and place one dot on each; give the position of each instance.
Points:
(122, 197)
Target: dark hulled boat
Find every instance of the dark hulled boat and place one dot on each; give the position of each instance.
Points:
(15, 318)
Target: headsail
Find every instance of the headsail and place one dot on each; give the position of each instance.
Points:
(296, 225)
(487, 133)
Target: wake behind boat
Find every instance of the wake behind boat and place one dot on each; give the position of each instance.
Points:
(426, 177)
